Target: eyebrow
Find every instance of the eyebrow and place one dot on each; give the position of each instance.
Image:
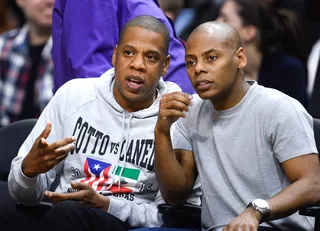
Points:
(148, 51)
(209, 51)
(204, 53)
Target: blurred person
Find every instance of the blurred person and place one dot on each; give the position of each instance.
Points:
(203, 11)
(312, 10)
(85, 33)
(17, 13)
(307, 12)
(99, 143)
(6, 20)
(171, 8)
(273, 46)
(26, 68)
(314, 80)
(252, 147)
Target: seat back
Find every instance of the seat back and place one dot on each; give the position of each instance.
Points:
(12, 137)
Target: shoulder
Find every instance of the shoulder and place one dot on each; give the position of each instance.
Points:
(79, 86)
(8, 36)
(77, 92)
(200, 107)
(282, 60)
(271, 101)
(170, 86)
(292, 62)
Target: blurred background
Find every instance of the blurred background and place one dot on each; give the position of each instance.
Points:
(281, 39)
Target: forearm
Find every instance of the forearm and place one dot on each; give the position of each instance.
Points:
(172, 179)
(27, 191)
(301, 193)
(136, 214)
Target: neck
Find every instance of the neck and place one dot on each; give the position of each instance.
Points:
(134, 105)
(38, 36)
(234, 95)
(254, 57)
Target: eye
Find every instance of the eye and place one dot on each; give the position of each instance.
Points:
(128, 53)
(152, 58)
(191, 63)
(212, 58)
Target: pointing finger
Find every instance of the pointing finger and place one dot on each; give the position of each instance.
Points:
(46, 131)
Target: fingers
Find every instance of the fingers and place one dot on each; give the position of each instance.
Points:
(46, 131)
(80, 186)
(181, 97)
(42, 144)
(43, 136)
(64, 196)
(62, 146)
(175, 104)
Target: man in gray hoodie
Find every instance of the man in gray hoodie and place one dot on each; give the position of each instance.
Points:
(96, 138)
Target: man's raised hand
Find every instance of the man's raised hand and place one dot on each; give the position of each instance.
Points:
(172, 106)
(43, 156)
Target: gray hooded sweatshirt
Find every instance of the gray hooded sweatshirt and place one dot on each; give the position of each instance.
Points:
(114, 150)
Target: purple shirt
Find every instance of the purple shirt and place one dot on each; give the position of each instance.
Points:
(85, 33)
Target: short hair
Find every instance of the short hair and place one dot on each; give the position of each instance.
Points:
(149, 23)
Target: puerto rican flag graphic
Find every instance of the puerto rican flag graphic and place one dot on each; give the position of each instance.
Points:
(97, 173)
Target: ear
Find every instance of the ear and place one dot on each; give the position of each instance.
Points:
(114, 55)
(242, 58)
(249, 33)
(165, 66)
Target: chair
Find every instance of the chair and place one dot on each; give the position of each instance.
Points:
(12, 137)
(181, 216)
(314, 211)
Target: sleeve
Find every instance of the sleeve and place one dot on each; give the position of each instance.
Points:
(180, 136)
(137, 214)
(290, 130)
(30, 191)
(84, 36)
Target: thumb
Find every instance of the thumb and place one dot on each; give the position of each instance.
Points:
(79, 185)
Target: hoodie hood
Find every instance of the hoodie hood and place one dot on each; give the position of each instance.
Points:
(106, 91)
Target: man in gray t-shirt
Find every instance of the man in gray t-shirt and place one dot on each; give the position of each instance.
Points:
(252, 147)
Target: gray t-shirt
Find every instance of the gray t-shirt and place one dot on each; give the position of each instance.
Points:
(238, 152)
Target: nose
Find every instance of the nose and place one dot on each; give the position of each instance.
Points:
(137, 63)
(199, 68)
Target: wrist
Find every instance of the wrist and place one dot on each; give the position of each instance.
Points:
(105, 203)
(254, 213)
(161, 131)
(261, 207)
(27, 171)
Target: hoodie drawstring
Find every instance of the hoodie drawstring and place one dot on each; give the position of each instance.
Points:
(126, 149)
(123, 129)
(121, 140)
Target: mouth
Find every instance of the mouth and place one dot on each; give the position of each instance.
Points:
(203, 84)
(134, 82)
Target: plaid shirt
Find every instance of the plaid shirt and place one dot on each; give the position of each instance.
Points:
(15, 66)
